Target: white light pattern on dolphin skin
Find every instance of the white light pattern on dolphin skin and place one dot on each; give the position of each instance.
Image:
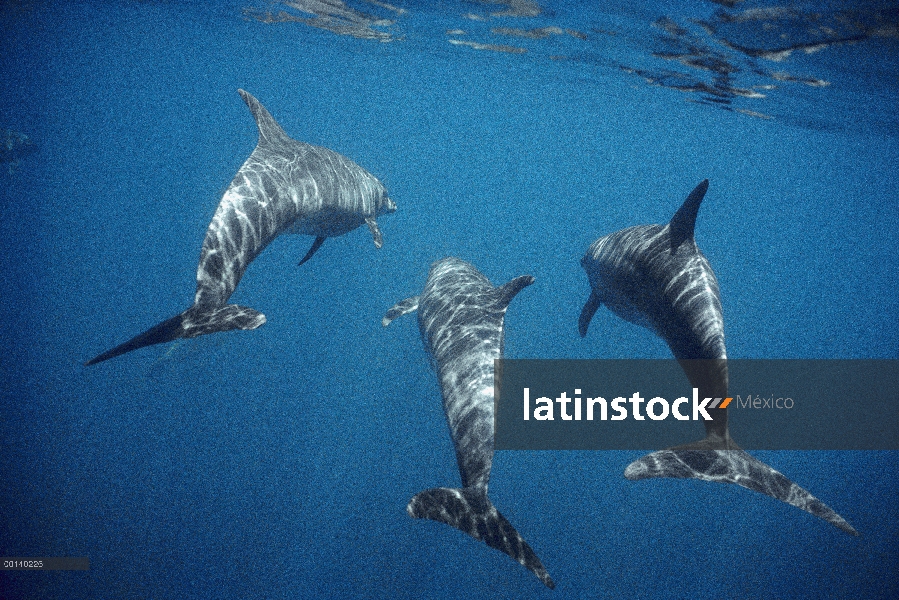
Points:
(656, 276)
(733, 466)
(624, 268)
(285, 186)
(460, 317)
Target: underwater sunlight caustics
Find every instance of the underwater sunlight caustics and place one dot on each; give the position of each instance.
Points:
(285, 186)
(460, 316)
(656, 276)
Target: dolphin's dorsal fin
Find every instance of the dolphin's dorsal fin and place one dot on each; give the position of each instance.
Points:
(684, 220)
(269, 130)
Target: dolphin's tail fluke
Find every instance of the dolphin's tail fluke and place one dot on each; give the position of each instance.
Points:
(191, 323)
(732, 466)
(470, 510)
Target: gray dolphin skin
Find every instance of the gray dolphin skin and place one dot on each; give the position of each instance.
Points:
(460, 316)
(655, 276)
(285, 186)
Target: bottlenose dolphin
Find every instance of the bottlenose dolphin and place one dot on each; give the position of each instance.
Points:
(460, 316)
(285, 186)
(655, 276)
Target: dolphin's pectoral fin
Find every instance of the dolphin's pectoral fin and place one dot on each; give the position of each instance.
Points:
(732, 466)
(375, 232)
(315, 246)
(399, 309)
(683, 222)
(590, 307)
(506, 292)
(470, 510)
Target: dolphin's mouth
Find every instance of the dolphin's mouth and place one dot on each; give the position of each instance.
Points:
(388, 206)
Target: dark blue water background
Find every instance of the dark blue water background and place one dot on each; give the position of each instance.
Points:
(278, 463)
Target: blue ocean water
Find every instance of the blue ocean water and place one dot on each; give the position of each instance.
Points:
(278, 463)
